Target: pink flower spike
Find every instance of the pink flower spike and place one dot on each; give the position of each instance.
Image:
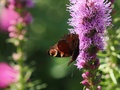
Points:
(6, 18)
(8, 75)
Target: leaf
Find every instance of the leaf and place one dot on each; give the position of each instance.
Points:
(113, 77)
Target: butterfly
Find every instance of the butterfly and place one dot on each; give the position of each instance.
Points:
(67, 46)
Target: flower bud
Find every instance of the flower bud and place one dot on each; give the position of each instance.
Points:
(85, 83)
(99, 88)
(86, 75)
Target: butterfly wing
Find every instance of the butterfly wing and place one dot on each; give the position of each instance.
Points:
(74, 45)
(75, 52)
(64, 48)
(67, 46)
(61, 49)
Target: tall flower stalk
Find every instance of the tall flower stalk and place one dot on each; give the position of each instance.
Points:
(89, 19)
(14, 19)
(17, 36)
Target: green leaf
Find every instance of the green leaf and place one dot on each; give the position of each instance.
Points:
(113, 77)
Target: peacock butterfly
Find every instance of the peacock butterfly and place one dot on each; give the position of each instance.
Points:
(67, 46)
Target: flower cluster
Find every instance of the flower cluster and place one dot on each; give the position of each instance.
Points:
(14, 19)
(8, 75)
(13, 11)
(89, 19)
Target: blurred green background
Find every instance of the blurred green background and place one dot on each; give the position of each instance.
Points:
(49, 25)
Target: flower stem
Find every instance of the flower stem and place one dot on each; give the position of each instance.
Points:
(21, 67)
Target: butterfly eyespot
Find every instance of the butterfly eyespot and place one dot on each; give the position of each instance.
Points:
(53, 52)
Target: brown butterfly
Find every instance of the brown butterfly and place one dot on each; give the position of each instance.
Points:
(67, 46)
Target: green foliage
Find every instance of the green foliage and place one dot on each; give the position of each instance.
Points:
(110, 65)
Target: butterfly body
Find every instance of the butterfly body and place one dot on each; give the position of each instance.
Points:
(67, 46)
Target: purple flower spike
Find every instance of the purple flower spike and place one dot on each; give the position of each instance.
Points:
(89, 19)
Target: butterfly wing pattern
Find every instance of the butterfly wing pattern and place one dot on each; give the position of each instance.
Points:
(67, 46)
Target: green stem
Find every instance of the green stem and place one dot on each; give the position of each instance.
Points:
(20, 63)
